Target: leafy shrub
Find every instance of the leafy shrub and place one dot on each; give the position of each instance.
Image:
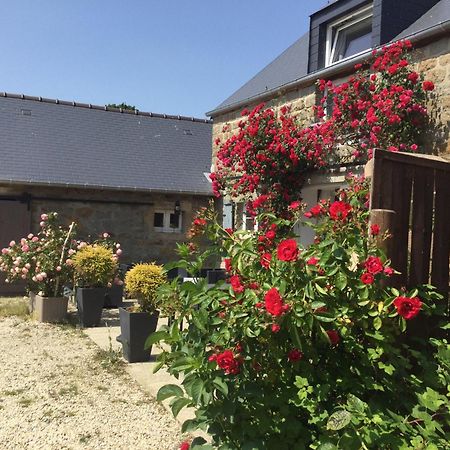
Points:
(308, 348)
(95, 266)
(142, 282)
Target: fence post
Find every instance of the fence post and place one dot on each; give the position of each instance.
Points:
(384, 218)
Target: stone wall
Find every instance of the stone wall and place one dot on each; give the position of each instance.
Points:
(433, 60)
(130, 222)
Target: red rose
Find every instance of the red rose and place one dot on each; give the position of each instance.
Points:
(185, 445)
(270, 234)
(228, 266)
(367, 278)
(334, 337)
(295, 355)
(373, 265)
(408, 307)
(275, 328)
(388, 271)
(228, 362)
(312, 261)
(375, 229)
(274, 303)
(428, 85)
(236, 284)
(265, 260)
(229, 231)
(316, 210)
(413, 76)
(339, 210)
(287, 250)
(200, 222)
(295, 205)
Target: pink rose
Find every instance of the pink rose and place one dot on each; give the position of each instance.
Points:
(118, 252)
(58, 268)
(25, 248)
(30, 236)
(5, 251)
(42, 224)
(34, 239)
(12, 243)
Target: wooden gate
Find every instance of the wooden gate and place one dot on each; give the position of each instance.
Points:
(417, 188)
(14, 224)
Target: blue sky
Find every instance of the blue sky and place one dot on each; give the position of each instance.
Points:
(168, 56)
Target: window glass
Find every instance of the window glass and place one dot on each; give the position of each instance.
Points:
(158, 220)
(174, 220)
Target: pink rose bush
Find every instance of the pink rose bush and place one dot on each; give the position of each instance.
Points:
(307, 347)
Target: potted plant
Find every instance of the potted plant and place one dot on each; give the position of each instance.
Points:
(95, 267)
(41, 262)
(114, 293)
(139, 321)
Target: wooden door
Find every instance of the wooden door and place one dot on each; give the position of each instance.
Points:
(14, 224)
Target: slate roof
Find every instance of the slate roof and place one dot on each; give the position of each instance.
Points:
(292, 64)
(49, 142)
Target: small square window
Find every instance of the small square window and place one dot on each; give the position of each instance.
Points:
(349, 36)
(158, 220)
(167, 221)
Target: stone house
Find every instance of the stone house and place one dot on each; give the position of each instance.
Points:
(342, 34)
(139, 176)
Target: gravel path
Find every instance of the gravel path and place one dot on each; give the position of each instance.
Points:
(56, 394)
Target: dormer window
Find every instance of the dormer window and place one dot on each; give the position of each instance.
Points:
(349, 36)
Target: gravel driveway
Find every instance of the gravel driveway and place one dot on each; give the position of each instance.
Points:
(55, 393)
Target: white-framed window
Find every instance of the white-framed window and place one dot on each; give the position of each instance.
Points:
(167, 221)
(349, 36)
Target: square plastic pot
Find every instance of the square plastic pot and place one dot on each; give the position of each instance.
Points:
(90, 304)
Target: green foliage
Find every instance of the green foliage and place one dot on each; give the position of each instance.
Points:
(94, 266)
(121, 106)
(331, 368)
(142, 282)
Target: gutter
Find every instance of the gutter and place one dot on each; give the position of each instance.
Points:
(125, 189)
(441, 28)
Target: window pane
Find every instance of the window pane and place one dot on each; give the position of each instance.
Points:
(158, 220)
(353, 39)
(174, 220)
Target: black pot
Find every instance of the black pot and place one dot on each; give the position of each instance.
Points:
(114, 296)
(214, 275)
(90, 304)
(135, 328)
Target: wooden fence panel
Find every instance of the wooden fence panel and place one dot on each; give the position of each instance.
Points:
(417, 188)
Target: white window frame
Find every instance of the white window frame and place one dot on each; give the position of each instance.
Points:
(166, 228)
(330, 48)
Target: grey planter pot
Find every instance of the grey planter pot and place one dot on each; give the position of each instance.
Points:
(48, 309)
(114, 297)
(135, 328)
(90, 304)
(215, 275)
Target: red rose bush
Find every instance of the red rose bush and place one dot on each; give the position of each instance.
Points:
(307, 347)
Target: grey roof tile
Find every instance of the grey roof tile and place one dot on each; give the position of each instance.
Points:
(59, 144)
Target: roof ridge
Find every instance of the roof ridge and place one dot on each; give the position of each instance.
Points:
(135, 112)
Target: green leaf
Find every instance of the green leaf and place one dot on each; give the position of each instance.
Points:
(327, 446)
(196, 389)
(169, 390)
(183, 363)
(355, 403)
(377, 323)
(189, 426)
(178, 405)
(338, 420)
(155, 337)
(341, 281)
(320, 289)
(324, 317)
(316, 305)
(221, 385)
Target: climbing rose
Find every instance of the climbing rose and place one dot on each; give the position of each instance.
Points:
(428, 85)
(375, 229)
(367, 278)
(287, 250)
(408, 307)
(228, 267)
(275, 328)
(236, 284)
(227, 362)
(333, 335)
(312, 261)
(339, 210)
(295, 355)
(185, 445)
(274, 303)
(265, 260)
(373, 265)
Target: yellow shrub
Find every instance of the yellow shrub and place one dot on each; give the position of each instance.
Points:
(94, 266)
(142, 282)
